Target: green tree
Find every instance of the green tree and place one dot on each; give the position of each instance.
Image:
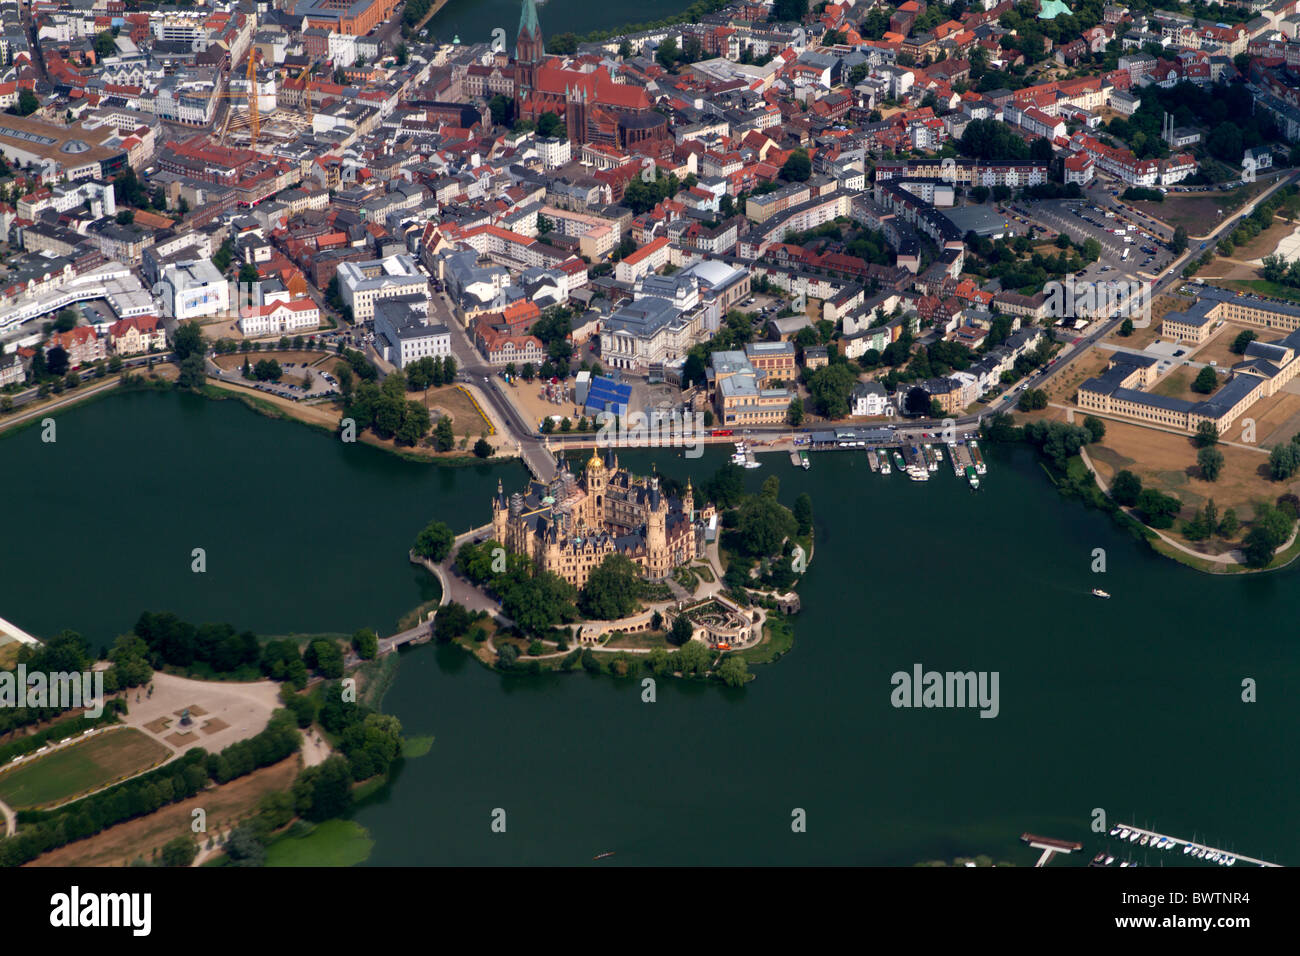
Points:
(27, 103)
(1180, 240)
(1095, 427)
(795, 413)
(179, 851)
(1206, 381)
(1243, 339)
(1207, 435)
(681, 631)
(797, 167)
(188, 339)
(803, 514)
(366, 643)
(1125, 488)
(482, 449)
(733, 671)
(1210, 461)
(611, 589)
(444, 439)
(434, 541)
(1283, 460)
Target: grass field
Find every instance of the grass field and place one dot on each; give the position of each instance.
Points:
(79, 768)
(332, 843)
(224, 806)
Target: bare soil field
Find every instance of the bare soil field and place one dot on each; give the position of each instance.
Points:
(1167, 461)
(1063, 386)
(1177, 384)
(224, 805)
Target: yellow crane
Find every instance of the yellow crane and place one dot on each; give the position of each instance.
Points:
(254, 121)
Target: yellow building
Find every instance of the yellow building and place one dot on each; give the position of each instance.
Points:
(573, 523)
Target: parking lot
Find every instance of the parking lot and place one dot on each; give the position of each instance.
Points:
(1126, 245)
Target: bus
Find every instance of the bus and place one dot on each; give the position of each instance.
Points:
(722, 433)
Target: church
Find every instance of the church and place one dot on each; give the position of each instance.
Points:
(570, 525)
(595, 108)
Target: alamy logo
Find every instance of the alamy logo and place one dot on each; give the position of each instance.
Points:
(1106, 299)
(58, 689)
(922, 688)
(102, 910)
(656, 430)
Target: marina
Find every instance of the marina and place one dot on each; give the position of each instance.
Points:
(1190, 848)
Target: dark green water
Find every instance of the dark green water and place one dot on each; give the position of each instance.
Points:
(474, 20)
(1131, 705)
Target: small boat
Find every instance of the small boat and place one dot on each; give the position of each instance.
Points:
(872, 460)
(898, 461)
(1123, 833)
(1231, 860)
(803, 460)
(885, 468)
(1133, 837)
(1099, 859)
(1114, 831)
(1098, 592)
(601, 856)
(1144, 840)
(972, 476)
(1188, 849)
(1110, 860)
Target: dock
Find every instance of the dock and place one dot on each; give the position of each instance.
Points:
(1050, 846)
(1180, 842)
(795, 459)
(16, 633)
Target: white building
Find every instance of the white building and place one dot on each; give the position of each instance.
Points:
(192, 289)
(361, 284)
(279, 318)
(403, 335)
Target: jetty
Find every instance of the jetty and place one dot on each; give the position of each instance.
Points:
(1049, 846)
(17, 633)
(1154, 837)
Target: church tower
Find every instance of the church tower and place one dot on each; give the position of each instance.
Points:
(530, 51)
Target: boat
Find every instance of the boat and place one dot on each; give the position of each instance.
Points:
(803, 459)
(1123, 833)
(872, 460)
(885, 467)
(1110, 860)
(1098, 592)
(1114, 831)
(1099, 859)
(977, 457)
(1144, 840)
(972, 477)
(898, 461)
(1231, 860)
(601, 856)
(1188, 849)
(1133, 837)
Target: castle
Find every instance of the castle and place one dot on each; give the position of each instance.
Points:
(572, 524)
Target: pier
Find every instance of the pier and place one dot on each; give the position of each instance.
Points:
(1153, 836)
(1049, 846)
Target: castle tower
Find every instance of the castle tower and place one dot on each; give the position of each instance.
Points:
(530, 51)
(500, 514)
(596, 480)
(658, 561)
(688, 501)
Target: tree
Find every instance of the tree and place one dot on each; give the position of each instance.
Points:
(1206, 381)
(366, 643)
(1158, 509)
(1207, 434)
(444, 439)
(1243, 339)
(803, 514)
(324, 791)
(1126, 488)
(1095, 427)
(1179, 243)
(324, 657)
(482, 449)
(788, 11)
(179, 851)
(1229, 525)
(193, 371)
(681, 631)
(56, 361)
(434, 541)
(27, 103)
(188, 339)
(1211, 463)
(795, 413)
(611, 589)
(764, 524)
(1283, 460)
(1126, 327)
(797, 168)
(733, 671)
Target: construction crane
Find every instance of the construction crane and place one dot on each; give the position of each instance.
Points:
(254, 120)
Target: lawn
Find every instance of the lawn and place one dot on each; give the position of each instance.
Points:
(332, 843)
(1272, 290)
(80, 768)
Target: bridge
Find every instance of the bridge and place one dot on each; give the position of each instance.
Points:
(453, 587)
